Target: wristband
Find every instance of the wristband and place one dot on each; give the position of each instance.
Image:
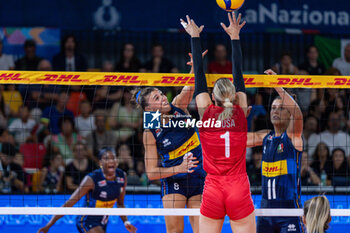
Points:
(127, 223)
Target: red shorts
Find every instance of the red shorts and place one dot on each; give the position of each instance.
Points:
(227, 195)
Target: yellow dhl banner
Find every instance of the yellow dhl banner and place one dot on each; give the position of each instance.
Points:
(189, 145)
(167, 79)
(273, 169)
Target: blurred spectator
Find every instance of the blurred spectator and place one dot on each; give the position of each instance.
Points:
(343, 64)
(333, 137)
(258, 111)
(285, 65)
(220, 65)
(78, 168)
(12, 98)
(141, 172)
(158, 63)
(106, 96)
(125, 118)
(6, 137)
(321, 163)
(44, 65)
(12, 178)
(64, 142)
(69, 59)
(85, 122)
(100, 137)
(52, 175)
(332, 71)
(311, 65)
(318, 109)
(107, 66)
(338, 175)
(40, 95)
(310, 127)
(125, 159)
(29, 61)
(52, 114)
(22, 127)
(307, 174)
(254, 167)
(4, 112)
(76, 95)
(6, 61)
(128, 61)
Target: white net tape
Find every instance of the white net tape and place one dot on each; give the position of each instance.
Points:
(145, 211)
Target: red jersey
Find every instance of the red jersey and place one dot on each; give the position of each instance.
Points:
(217, 68)
(224, 148)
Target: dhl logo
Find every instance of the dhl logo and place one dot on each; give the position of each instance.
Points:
(175, 80)
(61, 78)
(122, 79)
(341, 81)
(105, 204)
(11, 76)
(189, 145)
(273, 169)
(294, 81)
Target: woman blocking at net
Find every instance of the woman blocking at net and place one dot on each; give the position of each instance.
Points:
(227, 189)
(281, 162)
(317, 214)
(102, 188)
(178, 148)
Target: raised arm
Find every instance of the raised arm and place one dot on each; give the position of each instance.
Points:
(183, 99)
(154, 172)
(256, 138)
(201, 89)
(295, 128)
(120, 203)
(85, 186)
(233, 31)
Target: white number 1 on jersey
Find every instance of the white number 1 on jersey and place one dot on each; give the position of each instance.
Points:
(226, 136)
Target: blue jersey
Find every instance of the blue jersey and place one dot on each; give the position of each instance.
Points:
(174, 142)
(281, 164)
(104, 195)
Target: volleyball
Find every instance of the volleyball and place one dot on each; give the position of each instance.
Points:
(230, 5)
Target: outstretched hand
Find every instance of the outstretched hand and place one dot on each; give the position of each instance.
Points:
(191, 27)
(270, 72)
(190, 63)
(235, 26)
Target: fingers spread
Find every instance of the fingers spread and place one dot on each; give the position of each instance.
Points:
(230, 18)
(188, 19)
(223, 26)
(239, 18)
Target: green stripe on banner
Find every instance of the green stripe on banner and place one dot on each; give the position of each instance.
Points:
(329, 49)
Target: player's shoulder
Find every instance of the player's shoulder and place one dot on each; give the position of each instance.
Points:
(119, 172)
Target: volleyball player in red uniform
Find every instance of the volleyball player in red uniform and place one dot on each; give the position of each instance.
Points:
(227, 189)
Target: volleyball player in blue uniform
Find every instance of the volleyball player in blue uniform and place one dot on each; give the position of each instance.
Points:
(102, 188)
(281, 162)
(179, 151)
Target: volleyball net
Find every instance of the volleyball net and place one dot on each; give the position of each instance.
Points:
(54, 123)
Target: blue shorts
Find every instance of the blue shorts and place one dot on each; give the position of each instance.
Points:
(86, 223)
(280, 225)
(189, 185)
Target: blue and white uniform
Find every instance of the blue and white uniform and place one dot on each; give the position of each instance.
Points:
(104, 195)
(172, 144)
(281, 185)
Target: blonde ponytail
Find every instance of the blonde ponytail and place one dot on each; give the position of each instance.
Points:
(224, 92)
(317, 214)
